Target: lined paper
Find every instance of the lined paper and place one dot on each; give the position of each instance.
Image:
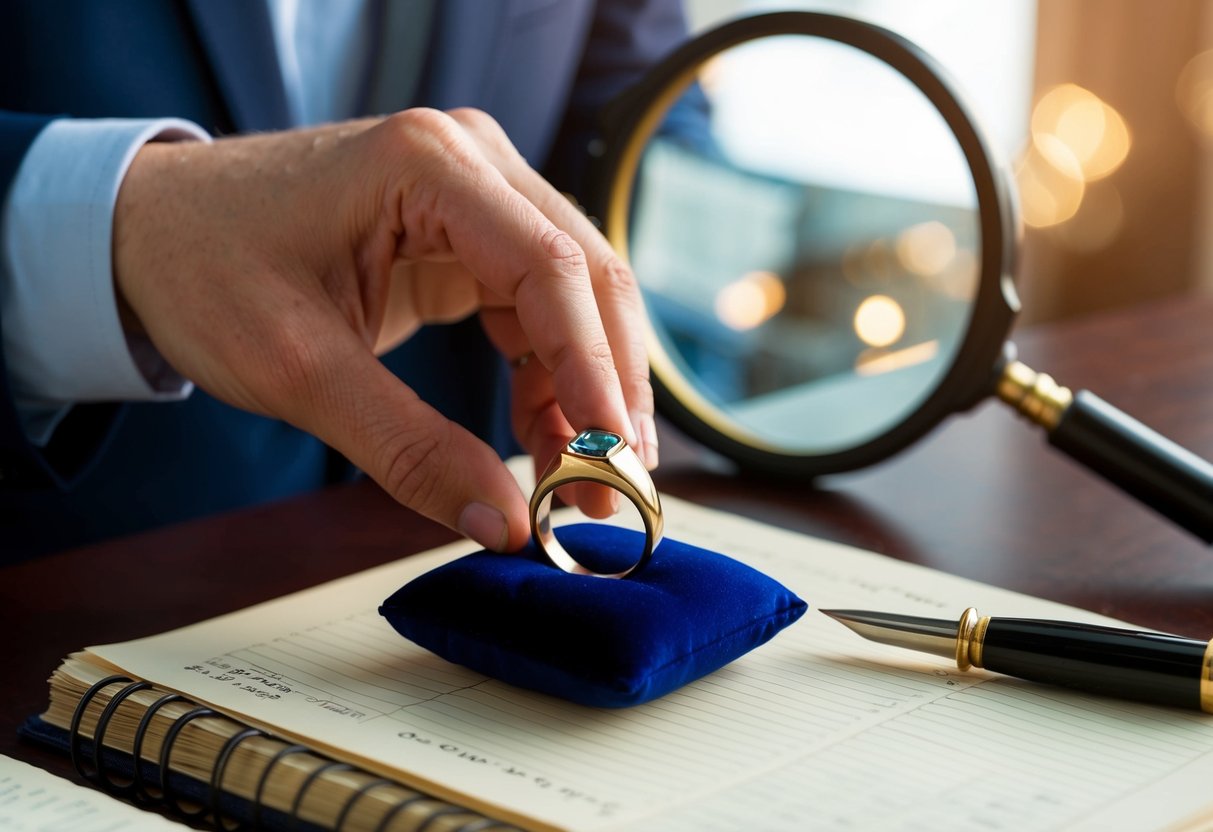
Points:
(817, 729)
(32, 800)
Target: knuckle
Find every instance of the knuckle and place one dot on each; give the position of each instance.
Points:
(600, 352)
(559, 246)
(618, 280)
(412, 467)
(471, 118)
(421, 129)
(594, 358)
(602, 360)
(639, 389)
(296, 365)
(588, 366)
(419, 120)
(484, 127)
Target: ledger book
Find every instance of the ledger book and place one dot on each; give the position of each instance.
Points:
(818, 729)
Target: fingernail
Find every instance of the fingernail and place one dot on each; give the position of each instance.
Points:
(648, 429)
(616, 501)
(485, 525)
(638, 445)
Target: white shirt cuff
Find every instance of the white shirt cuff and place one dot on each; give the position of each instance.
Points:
(62, 338)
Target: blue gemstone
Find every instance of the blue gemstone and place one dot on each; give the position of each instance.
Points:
(594, 443)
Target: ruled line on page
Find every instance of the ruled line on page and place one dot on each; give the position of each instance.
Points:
(790, 731)
(33, 800)
(919, 771)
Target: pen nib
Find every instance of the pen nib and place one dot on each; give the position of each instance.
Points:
(928, 635)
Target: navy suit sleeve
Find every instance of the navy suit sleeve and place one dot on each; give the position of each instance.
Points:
(81, 59)
(83, 431)
(17, 133)
(627, 37)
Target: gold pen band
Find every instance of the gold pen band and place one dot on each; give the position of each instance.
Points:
(971, 638)
(1206, 680)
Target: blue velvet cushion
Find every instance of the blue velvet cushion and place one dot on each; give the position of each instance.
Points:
(595, 641)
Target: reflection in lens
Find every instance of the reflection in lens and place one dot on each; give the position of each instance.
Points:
(879, 321)
(875, 362)
(927, 248)
(751, 300)
(804, 226)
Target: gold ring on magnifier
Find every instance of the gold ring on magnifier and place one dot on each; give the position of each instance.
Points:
(602, 457)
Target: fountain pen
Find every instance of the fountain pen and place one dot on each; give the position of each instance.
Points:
(1149, 667)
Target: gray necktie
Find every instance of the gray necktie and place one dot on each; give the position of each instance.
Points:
(403, 44)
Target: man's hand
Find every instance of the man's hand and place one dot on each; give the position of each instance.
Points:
(271, 270)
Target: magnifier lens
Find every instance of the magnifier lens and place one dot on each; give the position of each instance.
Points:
(805, 227)
(826, 246)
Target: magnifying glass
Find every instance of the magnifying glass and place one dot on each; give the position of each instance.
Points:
(826, 244)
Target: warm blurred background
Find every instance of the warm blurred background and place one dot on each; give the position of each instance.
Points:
(1104, 109)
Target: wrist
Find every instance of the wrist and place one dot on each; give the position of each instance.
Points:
(142, 197)
(63, 339)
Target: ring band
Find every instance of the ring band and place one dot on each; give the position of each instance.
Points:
(522, 360)
(605, 458)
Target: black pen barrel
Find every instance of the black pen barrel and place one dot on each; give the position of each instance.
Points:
(1149, 667)
(1172, 480)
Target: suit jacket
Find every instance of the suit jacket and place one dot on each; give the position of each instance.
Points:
(542, 68)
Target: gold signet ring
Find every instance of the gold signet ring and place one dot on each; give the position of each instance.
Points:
(602, 457)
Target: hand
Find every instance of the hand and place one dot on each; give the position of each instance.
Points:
(272, 269)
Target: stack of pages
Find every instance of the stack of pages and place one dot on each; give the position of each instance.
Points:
(818, 729)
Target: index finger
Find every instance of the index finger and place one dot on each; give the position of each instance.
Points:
(519, 254)
(620, 306)
(616, 291)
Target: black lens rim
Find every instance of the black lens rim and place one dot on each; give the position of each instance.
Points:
(977, 362)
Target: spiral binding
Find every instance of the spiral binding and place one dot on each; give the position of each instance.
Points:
(349, 804)
(142, 795)
(387, 819)
(438, 813)
(216, 794)
(166, 751)
(74, 747)
(125, 790)
(480, 824)
(307, 784)
(265, 776)
(162, 794)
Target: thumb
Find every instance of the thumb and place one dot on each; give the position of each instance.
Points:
(422, 459)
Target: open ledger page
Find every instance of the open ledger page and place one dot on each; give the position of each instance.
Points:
(33, 800)
(818, 729)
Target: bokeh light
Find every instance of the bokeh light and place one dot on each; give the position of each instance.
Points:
(1194, 93)
(1051, 185)
(750, 301)
(1077, 139)
(1098, 222)
(879, 321)
(959, 280)
(1092, 130)
(875, 362)
(927, 248)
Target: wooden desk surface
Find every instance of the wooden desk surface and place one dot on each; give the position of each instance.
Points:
(982, 496)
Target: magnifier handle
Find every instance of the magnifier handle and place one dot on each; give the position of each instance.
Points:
(1172, 480)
